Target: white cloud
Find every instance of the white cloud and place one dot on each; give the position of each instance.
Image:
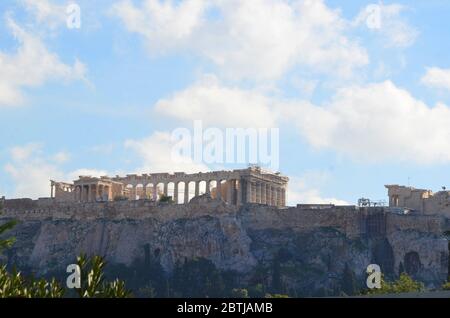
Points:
(61, 157)
(219, 106)
(437, 78)
(163, 23)
(156, 154)
(22, 153)
(103, 149)
(74, 175)
(31, 171)
(301, 192)
(377, 122)
(258, 40)
(46, 12)
(32, 65)
(387, 21)
(367, 123)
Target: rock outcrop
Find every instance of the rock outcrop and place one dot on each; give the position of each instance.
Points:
(311, 247)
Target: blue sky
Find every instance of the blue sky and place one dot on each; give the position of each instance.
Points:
(359, 89)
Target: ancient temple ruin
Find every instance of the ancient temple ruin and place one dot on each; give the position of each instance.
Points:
(251, 185)
(420, 200)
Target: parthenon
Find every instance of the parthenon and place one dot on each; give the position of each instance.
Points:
(251, 185)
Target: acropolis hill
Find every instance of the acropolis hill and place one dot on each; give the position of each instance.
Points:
(240, 223)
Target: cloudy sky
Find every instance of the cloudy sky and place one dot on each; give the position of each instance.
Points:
(360, 90)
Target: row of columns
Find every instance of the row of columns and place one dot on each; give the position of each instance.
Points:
(237, 192)
(53, 189)
(85, 193)
(253, 191)
(265, 193)
(233, 194)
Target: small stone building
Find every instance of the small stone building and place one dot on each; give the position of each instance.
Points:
(420, 200)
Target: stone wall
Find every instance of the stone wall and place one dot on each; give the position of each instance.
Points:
(351, 220)
(323, 241)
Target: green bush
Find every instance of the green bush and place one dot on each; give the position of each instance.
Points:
(239, 293)
(165, 198)
(405, 284)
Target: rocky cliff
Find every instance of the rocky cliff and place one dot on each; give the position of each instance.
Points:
(310, 248)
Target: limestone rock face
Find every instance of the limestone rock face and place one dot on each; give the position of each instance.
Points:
(311, 247)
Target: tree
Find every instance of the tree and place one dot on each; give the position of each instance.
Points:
(276, 275)
(401, 269)
(165, 198)
(256, 291)
(93, 283)
(239, 293)
(198, 278)
(349, 285)
(16, 285)
(447, 236)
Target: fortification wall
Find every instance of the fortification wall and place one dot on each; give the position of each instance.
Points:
(351, 220)
(44, 209)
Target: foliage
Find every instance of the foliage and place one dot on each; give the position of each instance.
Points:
(239, 293)
(16, 285)
(257, 291)
(276, 274)
(147, 291)
(197, 278)
(276, 296)
(446, 286)
(6, 243)
(93, 284)
(447, 236)
(165, 198)
(146, 277)
(405, 284)
(349, 282)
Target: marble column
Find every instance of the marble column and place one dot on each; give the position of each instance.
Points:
(144, 191)
(218, 189)
(208, 186)
(89, 196)
(249, 191)
(277, 201)
(239, 192)
(197, 188)
(155, 192)
(186, 192)
(263, 193)
(175, 192)
(230, 188)
(274, 196)
(133, 192)
(258, 192)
